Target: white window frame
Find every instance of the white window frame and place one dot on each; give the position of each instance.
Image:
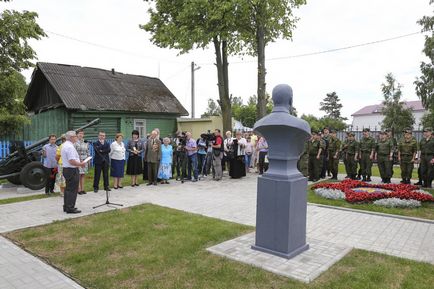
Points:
(141, 128)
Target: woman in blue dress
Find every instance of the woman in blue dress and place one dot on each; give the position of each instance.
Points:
(165, 170)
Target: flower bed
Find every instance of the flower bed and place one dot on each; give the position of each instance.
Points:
(360, 192)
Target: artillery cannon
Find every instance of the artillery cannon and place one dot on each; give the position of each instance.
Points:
(23, 166)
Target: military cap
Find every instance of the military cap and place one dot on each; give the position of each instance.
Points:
(332, 131)
(387, 130)
(407, 130)
(351, 133)
(366, 129)
(427, 129)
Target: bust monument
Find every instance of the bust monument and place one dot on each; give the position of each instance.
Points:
(282, 190)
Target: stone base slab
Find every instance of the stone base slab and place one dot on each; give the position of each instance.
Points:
(304, 267)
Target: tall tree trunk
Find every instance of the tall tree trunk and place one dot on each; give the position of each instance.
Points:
(261, 108)
(223, 82)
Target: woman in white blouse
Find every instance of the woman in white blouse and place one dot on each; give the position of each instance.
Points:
(117, 156)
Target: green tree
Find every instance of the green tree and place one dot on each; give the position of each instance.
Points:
(396, 115)
(427, 119)
(213, 109)
(185, 25)
(12, 110)
(16, 29)
(425, 84)
(332, 123)
(318, 124)
(260, 22)
(313, 121)
(331, 106)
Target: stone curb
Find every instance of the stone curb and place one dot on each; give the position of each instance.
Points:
(374, 213)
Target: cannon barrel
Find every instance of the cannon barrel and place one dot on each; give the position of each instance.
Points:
(23, 166)
(45, 139)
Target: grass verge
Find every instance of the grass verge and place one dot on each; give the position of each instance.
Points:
(426, 211)
(26, 198)
(153, 247)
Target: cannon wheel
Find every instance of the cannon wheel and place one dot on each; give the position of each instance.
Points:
(34, 176)
(15, 180)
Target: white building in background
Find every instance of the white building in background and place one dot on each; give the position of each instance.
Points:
(370, 116)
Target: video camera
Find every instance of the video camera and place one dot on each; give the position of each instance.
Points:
(182, 139)
(209, 136)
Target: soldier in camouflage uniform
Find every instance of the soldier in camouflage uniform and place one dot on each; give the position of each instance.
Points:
(333, 154)
(384, 157)
(344, 147)
(427, 157)
(367, 149)
(326, 139)
(394, 143)
(351, 155)
(407, 150)
(303, 162)
(315, 149)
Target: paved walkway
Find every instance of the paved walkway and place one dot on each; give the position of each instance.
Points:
(8, 191)
(235, 200)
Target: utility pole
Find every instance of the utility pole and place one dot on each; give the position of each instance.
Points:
(193, 69)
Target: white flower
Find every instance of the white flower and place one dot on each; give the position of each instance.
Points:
(423, 192)
(330, 193)
(397, 203)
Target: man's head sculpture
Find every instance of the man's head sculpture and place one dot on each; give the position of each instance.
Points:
(284, 133)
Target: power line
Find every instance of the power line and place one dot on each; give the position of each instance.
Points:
(110, 48)
(246, 61)
(326, 51)
(345, 48)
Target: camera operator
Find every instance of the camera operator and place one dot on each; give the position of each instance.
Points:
(180, 156)
(217, 148)
(227, 156)
(191, 148)
(202, 144)
(237, 168)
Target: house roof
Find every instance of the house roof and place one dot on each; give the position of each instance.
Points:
(415, 105)
(87, 88)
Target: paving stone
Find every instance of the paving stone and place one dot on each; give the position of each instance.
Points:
(304, 267)
(231, 200)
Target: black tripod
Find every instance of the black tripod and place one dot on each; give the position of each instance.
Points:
(107, 202)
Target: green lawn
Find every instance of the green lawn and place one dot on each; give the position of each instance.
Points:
(154, 247)
(376, 172)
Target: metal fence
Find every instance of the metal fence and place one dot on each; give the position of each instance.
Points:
(375, 134)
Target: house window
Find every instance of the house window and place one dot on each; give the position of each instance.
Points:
(140, 125)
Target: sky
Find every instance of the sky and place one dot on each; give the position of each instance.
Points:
(106, 34)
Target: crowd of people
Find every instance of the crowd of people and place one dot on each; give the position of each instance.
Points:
(323, 151)
(157, 160)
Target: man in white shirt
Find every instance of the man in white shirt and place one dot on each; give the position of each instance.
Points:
(71, 162)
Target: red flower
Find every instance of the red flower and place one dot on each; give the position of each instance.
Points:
(402, 191)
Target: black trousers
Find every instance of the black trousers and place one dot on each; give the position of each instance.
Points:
(72, 178)
(181, 164)
(261, 162)
(104, 167)
(152, 172)
(49, 186)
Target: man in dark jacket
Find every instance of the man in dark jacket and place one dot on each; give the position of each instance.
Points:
(101, 161)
